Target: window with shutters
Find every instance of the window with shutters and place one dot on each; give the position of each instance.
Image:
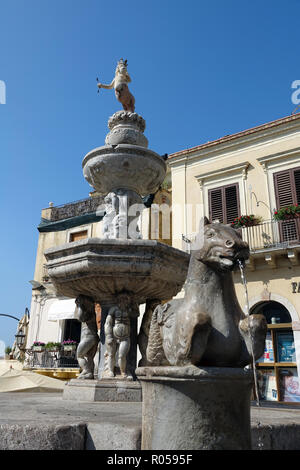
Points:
(224, 203)
(287, 187)
(287, 192)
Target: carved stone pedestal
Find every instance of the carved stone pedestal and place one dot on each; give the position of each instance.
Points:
(102, 390)
(192, 408)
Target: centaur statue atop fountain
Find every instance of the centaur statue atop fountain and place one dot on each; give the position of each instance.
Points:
(120, 84)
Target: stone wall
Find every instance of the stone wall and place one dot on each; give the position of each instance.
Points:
(74, 209)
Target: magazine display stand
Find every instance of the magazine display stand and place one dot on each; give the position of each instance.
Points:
(277, 369)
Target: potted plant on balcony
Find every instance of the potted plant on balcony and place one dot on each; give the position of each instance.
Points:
(38, 346)
(54, 347)
(69, 345)
(288, 212)
(246, 221)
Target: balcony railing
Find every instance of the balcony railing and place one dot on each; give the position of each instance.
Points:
(77, 208)
(268, 235)
(272, 235)
(51, 359)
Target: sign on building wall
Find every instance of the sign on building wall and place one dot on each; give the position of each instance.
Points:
(296, 287)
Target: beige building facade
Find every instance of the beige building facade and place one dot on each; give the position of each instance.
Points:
(256, 172)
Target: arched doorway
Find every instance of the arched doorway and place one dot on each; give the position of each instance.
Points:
(277, 368)
(274, 312)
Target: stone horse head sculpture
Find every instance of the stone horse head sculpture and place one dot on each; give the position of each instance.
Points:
(208, 327)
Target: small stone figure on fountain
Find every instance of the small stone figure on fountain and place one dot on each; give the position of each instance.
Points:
(89, 340)
(111, 210)
(118, 223)
(117, 336)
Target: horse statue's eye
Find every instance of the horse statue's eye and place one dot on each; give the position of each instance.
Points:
(210, 233)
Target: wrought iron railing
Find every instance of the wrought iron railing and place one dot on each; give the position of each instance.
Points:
(51, 359)
(267, 235)
(272, 235)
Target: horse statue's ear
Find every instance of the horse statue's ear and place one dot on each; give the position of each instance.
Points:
(198, 242)
(240, 231)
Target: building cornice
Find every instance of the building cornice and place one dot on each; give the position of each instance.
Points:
(230, 142)
(64, 224)
(264, 161)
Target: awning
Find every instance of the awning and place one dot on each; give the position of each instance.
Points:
(14, 380)
(62, 310)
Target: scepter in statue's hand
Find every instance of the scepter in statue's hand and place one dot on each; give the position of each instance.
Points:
(101, 85)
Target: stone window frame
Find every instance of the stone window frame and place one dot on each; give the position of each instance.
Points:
(78, 229)
(276, 163)
(233, 174)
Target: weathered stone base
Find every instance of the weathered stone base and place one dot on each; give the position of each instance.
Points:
(42, 437)
(112, 436)
(192, 408)
(102, 390)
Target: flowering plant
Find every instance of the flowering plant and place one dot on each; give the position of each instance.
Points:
(69, 342)
(288, 212)
(38, 343)
(51, 345)
(246, 221)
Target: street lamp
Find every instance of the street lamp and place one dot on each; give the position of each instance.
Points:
(20, 339)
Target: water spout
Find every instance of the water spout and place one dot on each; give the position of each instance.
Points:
(247, 312)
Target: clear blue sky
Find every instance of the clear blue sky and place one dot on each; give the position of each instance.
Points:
(200, 69)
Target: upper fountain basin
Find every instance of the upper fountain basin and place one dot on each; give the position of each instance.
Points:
(127, 166)
(124, 162)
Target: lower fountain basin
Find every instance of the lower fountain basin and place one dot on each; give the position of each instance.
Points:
(101, 268)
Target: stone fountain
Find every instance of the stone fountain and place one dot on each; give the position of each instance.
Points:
(196, 387)
(120, 270)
